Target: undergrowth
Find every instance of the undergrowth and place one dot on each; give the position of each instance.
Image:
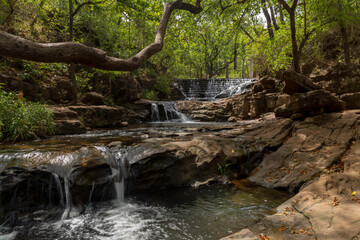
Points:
(22, 120)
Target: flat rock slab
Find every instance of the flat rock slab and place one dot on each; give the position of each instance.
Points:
(322, 159)
(314, 145)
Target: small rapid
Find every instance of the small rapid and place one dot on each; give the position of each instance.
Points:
(214, 88)
(167, 112)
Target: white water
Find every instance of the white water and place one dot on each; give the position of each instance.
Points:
(117, 162)
(68, 199)
(59, 188)
(167, 112)
(212, 89)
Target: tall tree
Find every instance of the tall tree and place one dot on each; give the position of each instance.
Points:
(295, 51)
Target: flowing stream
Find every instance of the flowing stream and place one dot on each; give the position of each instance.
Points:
(109, 213)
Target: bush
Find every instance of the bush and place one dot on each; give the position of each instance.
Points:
(21, 120)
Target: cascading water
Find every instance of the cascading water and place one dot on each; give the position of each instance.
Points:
(167, 112)
(68, 199)
(211, 89)
(59, 188)
(117, 161)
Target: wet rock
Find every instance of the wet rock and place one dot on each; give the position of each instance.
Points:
(163, 163)
(244, 234)
(210, 181)
(65, 127)
(297, 83)
(93, 98)
(310, 103)
(67, 122)
(352, 100)
(206, 111)
(104, 116)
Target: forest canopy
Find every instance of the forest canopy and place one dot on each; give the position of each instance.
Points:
(202, 40)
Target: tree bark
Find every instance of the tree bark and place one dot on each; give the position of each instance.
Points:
(345, 40)
(268, 19)
(295, 51)
(71, 52)
(281, 14)
(273, 18)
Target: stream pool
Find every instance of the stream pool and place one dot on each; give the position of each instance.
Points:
(207, 213)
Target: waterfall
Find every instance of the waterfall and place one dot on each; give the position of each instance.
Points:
(59, 188)
(117, 161)
(211, 89)
(68, 198)
(167, 112)
(155, 116)
(91, 191)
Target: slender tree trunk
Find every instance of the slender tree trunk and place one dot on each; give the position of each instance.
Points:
(295, 51)
(281, 14)
(227, 70)
(273, 18)
(71, 38)
(268, 19)
(345, 40)
(235, 53)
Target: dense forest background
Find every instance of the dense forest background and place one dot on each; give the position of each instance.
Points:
(229, 38)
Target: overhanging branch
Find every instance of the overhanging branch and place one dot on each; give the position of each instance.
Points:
(70, 52)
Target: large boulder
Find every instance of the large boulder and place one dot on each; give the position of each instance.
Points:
(310, 103)
(268, 83)
(104, 116)
(93, 98)
(206, 111)
(297, 83)
(352, 100)
(338, 78)
(67, 121)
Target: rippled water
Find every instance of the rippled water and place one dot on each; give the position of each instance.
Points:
(206, 213)
(185, 213)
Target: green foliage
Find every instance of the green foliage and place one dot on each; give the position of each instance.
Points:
(83, 79)
(224, 167)
(150, 94)
(21, 120)
(163, 84)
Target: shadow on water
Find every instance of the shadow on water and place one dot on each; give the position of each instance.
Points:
(181, 213)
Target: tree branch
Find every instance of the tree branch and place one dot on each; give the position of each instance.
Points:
(285, 5)
(78, 8)
(70, 52)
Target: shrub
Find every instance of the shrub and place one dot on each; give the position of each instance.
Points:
(21, 120)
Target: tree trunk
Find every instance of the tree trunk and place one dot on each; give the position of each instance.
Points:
(273, 18)
(281, 14)
(345, 40)
(268, 19)
(227, 70)
(295, 51)
(71, 38)
(235, 53)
